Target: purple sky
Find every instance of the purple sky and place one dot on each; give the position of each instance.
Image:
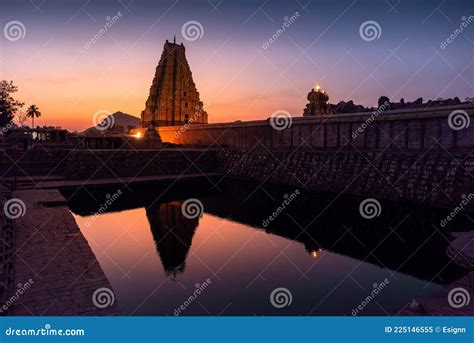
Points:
(237, 77)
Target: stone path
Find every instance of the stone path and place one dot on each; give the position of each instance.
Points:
(438, 304)
(54, 259)
(461, 251)
(7, 245)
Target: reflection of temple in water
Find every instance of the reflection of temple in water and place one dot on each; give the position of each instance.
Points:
(173, 234)
(348, 234)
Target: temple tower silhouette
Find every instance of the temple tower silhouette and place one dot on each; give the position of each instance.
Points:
(173, 235)
(173, 99)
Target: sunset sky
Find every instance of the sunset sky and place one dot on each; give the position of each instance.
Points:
(237, 78)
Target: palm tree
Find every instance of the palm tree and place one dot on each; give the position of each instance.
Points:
(32, 112)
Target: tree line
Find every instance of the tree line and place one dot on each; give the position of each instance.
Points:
(11, 108)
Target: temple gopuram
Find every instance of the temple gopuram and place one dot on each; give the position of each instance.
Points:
(173, 99)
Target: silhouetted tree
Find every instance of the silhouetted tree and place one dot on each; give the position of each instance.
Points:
(33, 112)
(383, 100)
(8, 105)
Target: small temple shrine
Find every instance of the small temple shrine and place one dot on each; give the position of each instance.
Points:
(318, 103)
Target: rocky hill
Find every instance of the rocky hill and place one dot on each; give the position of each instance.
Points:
(122, 123)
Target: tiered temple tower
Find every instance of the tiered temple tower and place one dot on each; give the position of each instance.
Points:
(318, 103)
(174, 99)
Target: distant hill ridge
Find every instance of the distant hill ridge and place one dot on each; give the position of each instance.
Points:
(122, 122)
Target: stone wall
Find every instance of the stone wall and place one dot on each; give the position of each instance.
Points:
(104, 163)
(412, 155)
(7, 246)
(434, 178)
(85, 164)
(38, 160)
(407, 129)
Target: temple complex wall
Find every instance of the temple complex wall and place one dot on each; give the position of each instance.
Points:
(412, 155)
(98, 164)
(406, 130)
(106, 163)
(433, 177)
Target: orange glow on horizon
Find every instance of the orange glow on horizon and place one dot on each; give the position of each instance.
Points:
(69, 87)
(236, 79)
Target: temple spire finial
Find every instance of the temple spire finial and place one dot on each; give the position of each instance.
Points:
(174, 40)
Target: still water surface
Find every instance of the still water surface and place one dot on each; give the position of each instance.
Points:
(155, 258)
